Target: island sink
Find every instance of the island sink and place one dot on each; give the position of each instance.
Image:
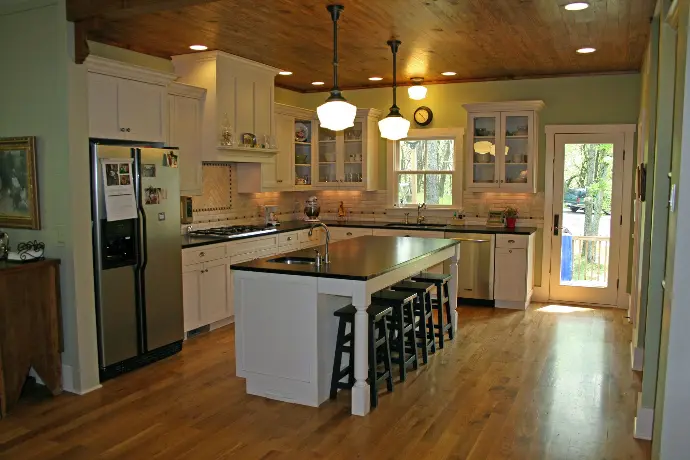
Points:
(294, 260)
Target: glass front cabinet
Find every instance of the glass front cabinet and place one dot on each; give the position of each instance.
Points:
(347, 159)
(502, 146)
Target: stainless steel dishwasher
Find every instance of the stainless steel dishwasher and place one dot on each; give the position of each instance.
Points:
(476, 265)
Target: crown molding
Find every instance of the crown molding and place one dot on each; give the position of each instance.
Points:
(507, 106)
(96, 64)
(292, 111)
(220, 55)
(181, 89)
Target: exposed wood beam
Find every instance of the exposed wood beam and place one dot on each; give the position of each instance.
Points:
(79, 10)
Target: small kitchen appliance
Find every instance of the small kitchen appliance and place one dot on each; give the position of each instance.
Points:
(312, 210)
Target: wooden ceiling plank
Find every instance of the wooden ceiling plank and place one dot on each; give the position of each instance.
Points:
(79, 10)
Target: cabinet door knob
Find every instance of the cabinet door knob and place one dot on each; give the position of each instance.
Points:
(509, 250)
(122, 129)
(202, 254)
(128, 130)
(289, 238)
(496, 181)
(279, 180)
(501, 181)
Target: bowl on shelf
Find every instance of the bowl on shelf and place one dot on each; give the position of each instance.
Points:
(482, 157)
(301, 159)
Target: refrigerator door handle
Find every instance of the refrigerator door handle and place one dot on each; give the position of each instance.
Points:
(142, 250)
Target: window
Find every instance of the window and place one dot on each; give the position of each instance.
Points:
(425, 169)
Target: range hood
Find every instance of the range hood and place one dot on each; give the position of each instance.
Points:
(240, 89)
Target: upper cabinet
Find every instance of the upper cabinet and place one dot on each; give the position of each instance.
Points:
(240, 95)
(186, 105)
(348, 159)
(127, 102)
(502, 146)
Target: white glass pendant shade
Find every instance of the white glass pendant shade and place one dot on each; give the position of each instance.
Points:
(337, 115)
(416, 92)
(394, 128)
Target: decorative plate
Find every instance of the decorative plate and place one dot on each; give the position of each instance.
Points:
(301, 132)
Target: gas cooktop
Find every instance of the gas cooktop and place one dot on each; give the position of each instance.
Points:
(233, 231)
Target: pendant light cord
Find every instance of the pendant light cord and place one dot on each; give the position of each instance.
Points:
(394, 44)
(335, 11)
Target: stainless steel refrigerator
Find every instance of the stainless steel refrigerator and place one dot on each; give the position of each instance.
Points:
(137, 261)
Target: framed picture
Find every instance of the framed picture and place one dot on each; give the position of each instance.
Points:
(18, 183)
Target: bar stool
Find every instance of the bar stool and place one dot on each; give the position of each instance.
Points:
(442, 304)
(424, 310)
(379, 350)
(402, 328)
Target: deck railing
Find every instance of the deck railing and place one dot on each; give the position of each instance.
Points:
(589, 259)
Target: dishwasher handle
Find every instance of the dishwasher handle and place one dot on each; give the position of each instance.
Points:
(471, 240)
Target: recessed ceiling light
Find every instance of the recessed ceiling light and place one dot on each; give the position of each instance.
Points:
(317, 83)
(449, 74)
(199, 47)
(586, 50)
(375, 78)
(577, 6)
(285, 72)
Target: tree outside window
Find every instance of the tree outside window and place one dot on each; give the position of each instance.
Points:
(424, 169)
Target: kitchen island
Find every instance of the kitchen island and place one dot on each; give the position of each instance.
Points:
(285, 328)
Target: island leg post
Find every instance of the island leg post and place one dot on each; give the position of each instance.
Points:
(361, 404)
(454, 290)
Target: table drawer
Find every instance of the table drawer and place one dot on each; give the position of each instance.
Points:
(512, 241)
(203, 254)
(288, 238)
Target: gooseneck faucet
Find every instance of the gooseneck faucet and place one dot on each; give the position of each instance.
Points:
(420, 217)
(326, 257)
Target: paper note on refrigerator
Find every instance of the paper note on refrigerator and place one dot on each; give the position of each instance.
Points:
(118, 189)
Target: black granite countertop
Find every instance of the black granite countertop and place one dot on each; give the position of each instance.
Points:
(291, 226)
(360, 258)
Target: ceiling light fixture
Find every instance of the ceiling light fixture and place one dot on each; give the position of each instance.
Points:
(375, 78)
(394, 126)
(417, 91)
(449, 74)
(199, 47)
(317, 83)
(576, 6)
(336, 113)
(285, 72)
(586, 50)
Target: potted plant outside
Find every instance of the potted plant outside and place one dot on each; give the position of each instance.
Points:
(511, 215)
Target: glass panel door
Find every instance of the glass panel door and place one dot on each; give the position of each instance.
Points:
(354, 153)
(588, 170)
(485, 128)
(303, 152)
(518, 143)
(327, 161)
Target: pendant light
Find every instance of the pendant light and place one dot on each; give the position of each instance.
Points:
(417, 91)
(336, 113)
(394, 127)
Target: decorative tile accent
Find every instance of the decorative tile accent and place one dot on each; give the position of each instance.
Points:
(217, 188)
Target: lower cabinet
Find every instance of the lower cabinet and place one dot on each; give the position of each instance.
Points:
(513, 276)
(345, 233)
(207, 293)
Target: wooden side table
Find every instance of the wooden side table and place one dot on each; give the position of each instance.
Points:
(30, 327)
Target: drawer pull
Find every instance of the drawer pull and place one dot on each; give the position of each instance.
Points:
(289, 238)
(202, 254)
(511, 241)
(349, 233)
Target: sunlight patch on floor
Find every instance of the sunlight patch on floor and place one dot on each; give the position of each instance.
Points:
(562, 309)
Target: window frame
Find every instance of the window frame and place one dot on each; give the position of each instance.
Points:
(457, 135)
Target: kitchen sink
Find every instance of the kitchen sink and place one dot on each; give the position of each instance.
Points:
(294, 260)
(416, 225)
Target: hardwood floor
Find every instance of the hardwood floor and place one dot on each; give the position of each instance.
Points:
(513, 385)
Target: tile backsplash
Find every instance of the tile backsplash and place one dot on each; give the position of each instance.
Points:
(222, 205)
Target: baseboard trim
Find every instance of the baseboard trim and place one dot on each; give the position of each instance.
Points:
(624, 302)
(68, 382)
(540, 294)
(644, 424)
(636, 357)
(223, 322)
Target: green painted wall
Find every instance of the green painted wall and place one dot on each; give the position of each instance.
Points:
(44, 95)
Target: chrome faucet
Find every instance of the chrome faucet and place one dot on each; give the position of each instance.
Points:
(407, 218)
(326, 257)
(420, 217)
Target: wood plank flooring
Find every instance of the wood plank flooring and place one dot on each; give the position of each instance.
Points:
(513, 385)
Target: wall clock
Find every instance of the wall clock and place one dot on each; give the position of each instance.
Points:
(423, 116)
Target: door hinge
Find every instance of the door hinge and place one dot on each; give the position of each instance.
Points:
(618, 284)
(623, 155)
(621, 222)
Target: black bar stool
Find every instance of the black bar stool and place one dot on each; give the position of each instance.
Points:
(424, 310)
(402, 328)
(442, 304)
(379, 350)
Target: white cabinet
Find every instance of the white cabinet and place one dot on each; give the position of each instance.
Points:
(502, 146)
(185, 104)
(345, 233)
(348, 159)
(513, 277)
(191, 295)
(412, 233)
(126, 109)
(216, 291)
